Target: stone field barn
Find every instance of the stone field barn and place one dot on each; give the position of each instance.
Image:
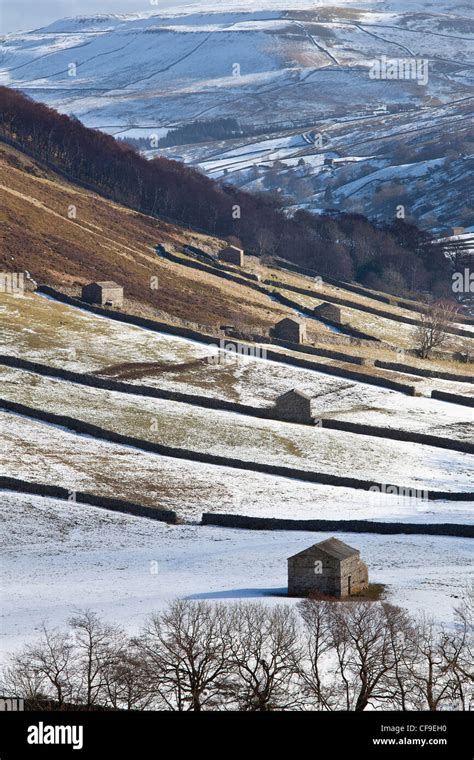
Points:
(289, 329)
(232, 255)
(331, 567)
(105, 293)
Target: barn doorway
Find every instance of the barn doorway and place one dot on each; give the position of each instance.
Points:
(349, 584)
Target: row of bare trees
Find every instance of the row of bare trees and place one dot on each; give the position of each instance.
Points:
(197, 655)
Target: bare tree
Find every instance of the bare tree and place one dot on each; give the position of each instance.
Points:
(400, 638)
(355, 654)
(458, 652)
(19, 678)
(340, 674)
(127, 683)
(52, 658)
(348, 655)
(432, 685)
(185, 651)
(362, 628)
(317, 642)
(368, 640)
(43, 672)
(263, 647)
(267, 242)
(97, 645)
(431, 332)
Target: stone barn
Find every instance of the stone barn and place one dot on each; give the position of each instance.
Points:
(105, 293)
(329, 311)
(331, 567)
(289, 329)
(295, 406)
(232, 255)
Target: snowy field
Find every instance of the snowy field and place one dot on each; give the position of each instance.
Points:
(247, 438)
(48, 454)
(56, 560)
(46, 331)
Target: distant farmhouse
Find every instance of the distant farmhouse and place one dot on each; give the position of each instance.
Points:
(331, 567)
(289, 329)
(105, 293)
(458, 231)
(232, 255)
(295, 406)
(329, 311)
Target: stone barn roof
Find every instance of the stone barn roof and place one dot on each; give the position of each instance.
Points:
(333, 547)
(289, 320)
(295, 392)
(232, 248)
(106, 284)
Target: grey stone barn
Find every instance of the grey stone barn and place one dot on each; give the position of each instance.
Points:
(331, 567)
(329, 311)
(232, 255)
(295, 406)
(105, 293)
(289, 329)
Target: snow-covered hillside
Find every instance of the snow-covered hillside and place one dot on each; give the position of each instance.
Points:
(295, 77)
(59, 556)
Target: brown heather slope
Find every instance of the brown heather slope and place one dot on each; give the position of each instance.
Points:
(109, 241)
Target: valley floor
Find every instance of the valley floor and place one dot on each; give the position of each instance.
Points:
(60, 557)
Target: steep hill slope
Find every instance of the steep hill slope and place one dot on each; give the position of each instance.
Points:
(108, 240)
(64, 235)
